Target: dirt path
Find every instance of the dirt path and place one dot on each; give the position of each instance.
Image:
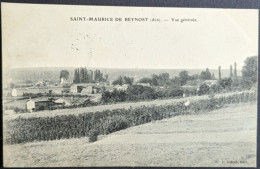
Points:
(225, 137)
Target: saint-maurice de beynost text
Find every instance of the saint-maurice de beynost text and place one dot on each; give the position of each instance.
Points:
(129, 19)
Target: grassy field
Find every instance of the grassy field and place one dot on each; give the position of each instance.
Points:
(224, 137)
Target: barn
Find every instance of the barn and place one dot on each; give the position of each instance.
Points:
(63, 101)
(210, 82)
(87, 90)
(121, 88)
(39, 104)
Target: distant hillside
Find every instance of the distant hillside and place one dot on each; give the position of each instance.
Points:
(22, 75)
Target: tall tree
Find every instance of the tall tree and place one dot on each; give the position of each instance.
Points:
(235, 70)
(64, 74)
(118, 81)
(231, 72)
(154, 80)
(123, 80)
(213, 76)
(206, 75)
(184, 76)
(249, 71)
(219, 72)
(75, 76)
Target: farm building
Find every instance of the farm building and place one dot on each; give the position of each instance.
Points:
(63, 81)
(39, 104)
(210, 82)
(35, 90)
(63, 101)
(17, 92)
(121, 88)
(40, 84)
(87, 90)
(144, 84)
(14, 92)
(77, 88)
(74, 89)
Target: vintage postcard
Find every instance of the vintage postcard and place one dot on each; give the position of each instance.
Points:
(129, 86)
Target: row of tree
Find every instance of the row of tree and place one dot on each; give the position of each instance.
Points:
(231, 75)
(121, 80)
(82, 75)
(137, 93)
(180, 80)
(249, 76)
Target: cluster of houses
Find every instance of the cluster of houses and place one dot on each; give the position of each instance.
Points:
(207, 82)
(39, 104)
(35, 90)
(42, 103)
(83, 89)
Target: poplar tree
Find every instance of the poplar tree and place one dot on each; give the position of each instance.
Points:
(219, 72)
(231, 71)
(235, 70)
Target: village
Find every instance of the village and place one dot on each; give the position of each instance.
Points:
(44, 96)
(87, 88)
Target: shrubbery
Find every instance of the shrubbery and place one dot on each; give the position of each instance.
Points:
(137, 93)
(93, 136)
(204, 89)
(21, 130)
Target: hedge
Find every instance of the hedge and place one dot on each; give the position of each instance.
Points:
(22, 130)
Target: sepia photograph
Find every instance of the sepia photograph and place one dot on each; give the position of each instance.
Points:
(117, 86)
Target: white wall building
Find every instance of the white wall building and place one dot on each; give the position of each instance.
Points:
(144, 84)
(30, 105)
(121, 88)
(62, 101)
(74, 89)
(14, 92)
(210, 82)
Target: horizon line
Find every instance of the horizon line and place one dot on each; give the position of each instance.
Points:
(123, 68)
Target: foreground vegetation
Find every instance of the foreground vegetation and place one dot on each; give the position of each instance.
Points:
(225, 135)
(21, 130)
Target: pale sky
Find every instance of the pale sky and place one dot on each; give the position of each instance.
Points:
(44, 36)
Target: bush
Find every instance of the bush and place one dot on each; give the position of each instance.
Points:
(138, 93)
(190, 92)
(204, 89)
(226, 83)
(116, 124)
(216, 88)
(93, 136)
